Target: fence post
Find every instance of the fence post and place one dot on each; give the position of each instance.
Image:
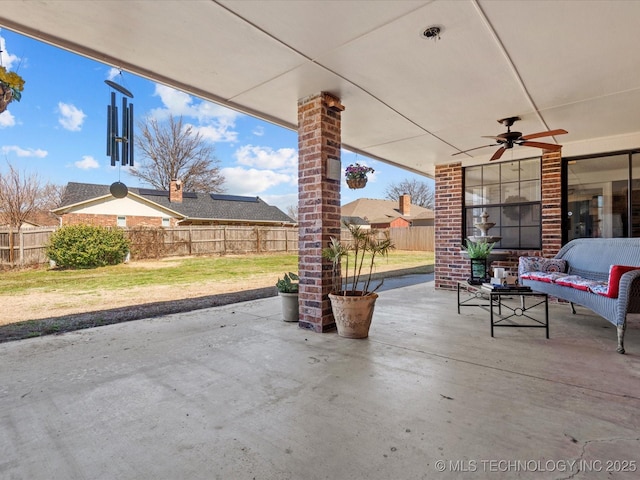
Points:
(224, 239)
(21, 245)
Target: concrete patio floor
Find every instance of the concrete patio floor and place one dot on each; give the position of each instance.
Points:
(235, 393)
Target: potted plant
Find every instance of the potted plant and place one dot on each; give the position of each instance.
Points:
(478, 253)
(352, 298)
(11, 86)
(288, 291)
(356, 175)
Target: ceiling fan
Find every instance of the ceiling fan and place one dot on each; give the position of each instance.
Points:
(508, 139)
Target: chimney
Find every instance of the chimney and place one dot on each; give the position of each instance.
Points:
(405, 204)
(175, 191)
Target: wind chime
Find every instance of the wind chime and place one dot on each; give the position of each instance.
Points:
(120, 146)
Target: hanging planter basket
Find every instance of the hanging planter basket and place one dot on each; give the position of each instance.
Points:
(356, 183)
(6, 95)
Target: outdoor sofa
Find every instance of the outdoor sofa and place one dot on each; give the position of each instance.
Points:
(602, 274)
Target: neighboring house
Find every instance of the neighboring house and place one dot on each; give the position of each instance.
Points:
(356, 221)
(38, 219)
(389, 213)
(94, 204)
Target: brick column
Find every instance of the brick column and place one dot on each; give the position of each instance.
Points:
(450, 266)
(318, 205)
(551, 203)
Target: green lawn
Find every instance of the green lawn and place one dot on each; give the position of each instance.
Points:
(172, 272)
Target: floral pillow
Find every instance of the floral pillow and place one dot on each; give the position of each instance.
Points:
(541, 264)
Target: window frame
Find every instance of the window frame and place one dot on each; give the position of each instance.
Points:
(501, 205)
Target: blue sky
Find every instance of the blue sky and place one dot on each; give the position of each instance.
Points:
(58, 129)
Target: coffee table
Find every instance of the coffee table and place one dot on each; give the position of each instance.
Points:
(518, 305)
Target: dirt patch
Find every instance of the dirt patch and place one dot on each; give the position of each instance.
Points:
(39, 314)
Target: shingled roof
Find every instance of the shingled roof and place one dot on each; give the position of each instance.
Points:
(194, 205)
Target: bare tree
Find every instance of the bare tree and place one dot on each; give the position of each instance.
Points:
(175, 152)
(292, 211)
(421, 193)
(19, 200)
(19, 197)
(51, 196)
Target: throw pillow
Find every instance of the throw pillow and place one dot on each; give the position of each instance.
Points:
(615, 272)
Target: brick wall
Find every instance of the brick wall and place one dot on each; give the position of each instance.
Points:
(450, 265)
(112, 220)
(319, 139)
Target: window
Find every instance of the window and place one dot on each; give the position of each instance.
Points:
(597, 202)
(510, 193)
(122, 221)
(166, 222)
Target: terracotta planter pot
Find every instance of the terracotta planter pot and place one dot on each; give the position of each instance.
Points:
(357, 183)
(353, 313)
(6, 95)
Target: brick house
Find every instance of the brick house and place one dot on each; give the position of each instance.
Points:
(94, 204)
(389, 213)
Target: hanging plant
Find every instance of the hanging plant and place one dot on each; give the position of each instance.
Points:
(357, 175)
(11, 87)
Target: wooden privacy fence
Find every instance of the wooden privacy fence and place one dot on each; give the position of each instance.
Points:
(413, 238)
(29, 244)
(211, 240)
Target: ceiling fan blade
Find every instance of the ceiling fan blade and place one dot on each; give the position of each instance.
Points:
(498, 153)
(545, 146)
(477, 148)
(497, 138)
(550, 133)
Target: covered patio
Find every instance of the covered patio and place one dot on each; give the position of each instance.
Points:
(235, 392)
(407, 82)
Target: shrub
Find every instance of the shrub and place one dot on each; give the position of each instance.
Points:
(87, 246)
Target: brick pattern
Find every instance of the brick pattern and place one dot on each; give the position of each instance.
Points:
(112, 220)
(450, 265)
(175, 192)
(319, 139)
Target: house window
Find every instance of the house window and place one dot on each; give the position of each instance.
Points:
(122, 221)
(510, 192)
(597, 201)
(166, 222)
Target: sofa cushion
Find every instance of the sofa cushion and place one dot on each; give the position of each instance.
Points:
(541, 264)
(578, 282)
(615, 272)
(547, 277)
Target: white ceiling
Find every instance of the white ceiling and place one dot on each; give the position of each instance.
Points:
(410, 101)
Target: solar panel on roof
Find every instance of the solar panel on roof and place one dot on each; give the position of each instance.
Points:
(164, 193)
(233, 198)
(155, 193)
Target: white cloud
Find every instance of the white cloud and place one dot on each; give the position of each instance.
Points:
(71, 118)
(6, 119)
(7, 59)
(215, 133)
(87, 163)
(113, 73)
(24, 152)
(215, 122)
(258, 131)
(266, 157)
(283, 202)
(243, 181)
